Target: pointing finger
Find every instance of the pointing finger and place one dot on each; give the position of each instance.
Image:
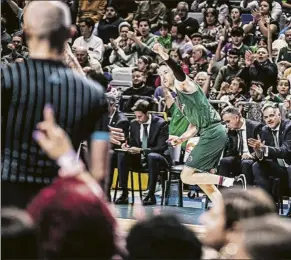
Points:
(48, 114)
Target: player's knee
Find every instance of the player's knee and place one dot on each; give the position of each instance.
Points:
(186, 174)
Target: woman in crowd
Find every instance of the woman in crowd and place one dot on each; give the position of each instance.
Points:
(283, 88)
(261, 18)
(210, 29)
(233, 21)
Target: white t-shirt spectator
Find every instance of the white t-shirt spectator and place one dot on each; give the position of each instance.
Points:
(93, 44)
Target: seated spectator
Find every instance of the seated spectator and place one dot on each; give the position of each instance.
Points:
(124, 53)
(258, 27)
(180, 15)
(203, 5)
(18, 236)
(5, 38)
(154, 10)
(108, 26)
(126, 9)
(252, 110)
(91, 9)
(237, 36)
(182, 42)
(268, 240)
(147, 39)
(117, 120)
(283, 88)
(222, 6)
(236, 90)
(260, 68)
(273, 149)
(238, 157)
(284, 56)
(210, 29)
(198, 60)
(92, 43)
(234, 206)
(196, 38)
(147, 147)
(138, 85)
(229, 71)
(275, 8)
(143, 63)
(201, 78)
(165, 39)
(162, 237)
(234, 21)
(86, 61)
(277, 45)
(17, 49)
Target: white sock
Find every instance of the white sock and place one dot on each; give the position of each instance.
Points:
(227, 182)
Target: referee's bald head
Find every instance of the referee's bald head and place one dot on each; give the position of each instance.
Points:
(49, 20)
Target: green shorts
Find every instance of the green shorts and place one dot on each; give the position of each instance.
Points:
(207, 153)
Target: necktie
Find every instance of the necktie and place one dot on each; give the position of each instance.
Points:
(276, 141)
(240, 142)
(144, 143)
(145, 136)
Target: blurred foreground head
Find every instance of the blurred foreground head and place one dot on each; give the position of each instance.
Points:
(72, 222)
(18, 238)
(264, 238)
(47, 23)
(232, 207)
(162, 237)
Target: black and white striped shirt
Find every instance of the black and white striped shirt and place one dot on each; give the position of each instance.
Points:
(79, 104)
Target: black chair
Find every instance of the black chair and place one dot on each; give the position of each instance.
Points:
(174, 178)
(139, 171)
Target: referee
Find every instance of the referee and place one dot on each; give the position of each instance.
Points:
(79, 104)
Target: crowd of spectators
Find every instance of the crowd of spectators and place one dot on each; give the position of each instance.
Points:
(240, 56)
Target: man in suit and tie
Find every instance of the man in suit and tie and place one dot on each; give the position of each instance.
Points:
(238, 154)
(117, 120)
(273, 149)
(147, 147)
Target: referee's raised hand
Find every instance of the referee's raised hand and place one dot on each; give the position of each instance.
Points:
(50, 137)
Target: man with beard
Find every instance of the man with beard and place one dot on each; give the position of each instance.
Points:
(139, 88)
(108, 26)
(138, 85)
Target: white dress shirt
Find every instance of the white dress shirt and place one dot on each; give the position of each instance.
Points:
(148, 128)
(244, 136)
(93, 44)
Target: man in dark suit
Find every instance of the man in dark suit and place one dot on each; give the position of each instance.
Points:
(116, 120)
(273, 149)
(238, 154)
(147, 147)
